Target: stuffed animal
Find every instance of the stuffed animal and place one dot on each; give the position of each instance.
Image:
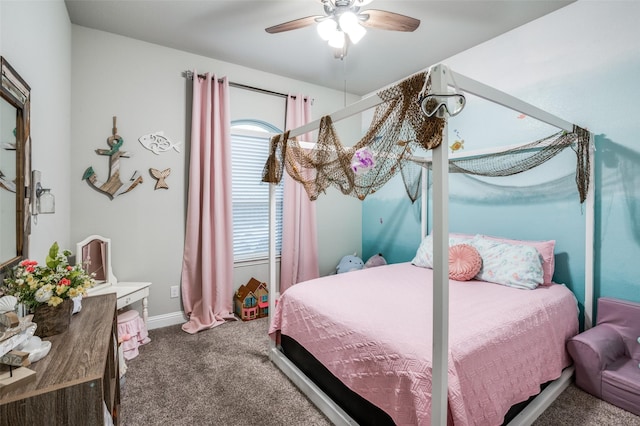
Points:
(375, 260)
(349, 263)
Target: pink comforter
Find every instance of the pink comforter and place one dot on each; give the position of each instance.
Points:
(372, 330)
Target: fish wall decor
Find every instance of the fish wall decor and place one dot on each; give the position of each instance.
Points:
(157, 142)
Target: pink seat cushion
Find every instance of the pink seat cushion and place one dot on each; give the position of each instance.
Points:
(464, 262)
(127, 316)
(621, 385)
(130, 324)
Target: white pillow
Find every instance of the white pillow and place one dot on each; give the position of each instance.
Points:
(424, 255)
(513, 265)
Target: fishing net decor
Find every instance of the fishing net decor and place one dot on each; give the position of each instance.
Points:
(517, 160)
(398, 129)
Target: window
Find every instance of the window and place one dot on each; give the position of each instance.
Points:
(250, 196)
(250, 302)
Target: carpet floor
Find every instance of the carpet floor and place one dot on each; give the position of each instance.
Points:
(224, 377)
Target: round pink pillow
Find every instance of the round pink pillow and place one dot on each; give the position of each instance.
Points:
(464, 262)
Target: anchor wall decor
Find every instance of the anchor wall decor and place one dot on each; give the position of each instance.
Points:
(9, 185)
(113, 186)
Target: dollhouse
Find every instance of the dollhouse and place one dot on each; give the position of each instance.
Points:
(251, 300)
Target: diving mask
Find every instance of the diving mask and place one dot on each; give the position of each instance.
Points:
(433, 104)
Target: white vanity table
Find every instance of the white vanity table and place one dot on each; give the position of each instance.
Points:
(126, 294)
(94, 254)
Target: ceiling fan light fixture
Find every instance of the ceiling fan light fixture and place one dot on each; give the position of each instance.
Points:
(356, 34)
(337, 40)
(348, 22)
(345, 23)
(326, 29)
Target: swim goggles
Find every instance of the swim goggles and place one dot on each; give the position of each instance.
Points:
(434, 104)
(437, 104)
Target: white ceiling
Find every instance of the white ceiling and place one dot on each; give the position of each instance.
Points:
(233, 31)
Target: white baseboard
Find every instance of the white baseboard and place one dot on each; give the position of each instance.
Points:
(165, 320)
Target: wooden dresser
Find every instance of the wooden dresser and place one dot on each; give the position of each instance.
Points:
(77, 379)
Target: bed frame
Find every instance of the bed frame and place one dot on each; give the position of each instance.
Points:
(441, 78)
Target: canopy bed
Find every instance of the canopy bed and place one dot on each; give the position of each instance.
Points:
(436, 388)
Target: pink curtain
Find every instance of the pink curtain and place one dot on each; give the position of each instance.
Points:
(299, 259)
(207, 265)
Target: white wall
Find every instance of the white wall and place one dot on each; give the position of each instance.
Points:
(35, 37)
(582, 63)
(546, 61)
(142, 84)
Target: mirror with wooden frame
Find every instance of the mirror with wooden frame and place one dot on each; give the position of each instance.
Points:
(15, 166)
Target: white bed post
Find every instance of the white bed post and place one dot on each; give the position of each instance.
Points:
(424, 202)
(440, 348)
(274, 286)
(589, 239)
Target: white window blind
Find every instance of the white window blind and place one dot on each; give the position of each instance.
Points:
(250, 196)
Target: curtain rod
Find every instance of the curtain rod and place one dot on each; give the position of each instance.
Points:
(189, 75)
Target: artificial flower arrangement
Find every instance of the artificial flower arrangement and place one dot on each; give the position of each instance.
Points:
(35, 285)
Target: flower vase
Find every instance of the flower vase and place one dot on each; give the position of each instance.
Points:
(52, 320)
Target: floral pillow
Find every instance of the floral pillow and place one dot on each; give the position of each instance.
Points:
(545, 248)
(424, 255)
(513, 265)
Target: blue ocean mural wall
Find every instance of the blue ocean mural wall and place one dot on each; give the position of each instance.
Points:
(582, 64)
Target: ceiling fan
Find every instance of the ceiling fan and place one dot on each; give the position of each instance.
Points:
(345, 23)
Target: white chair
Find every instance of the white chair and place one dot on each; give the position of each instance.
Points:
(94, 254)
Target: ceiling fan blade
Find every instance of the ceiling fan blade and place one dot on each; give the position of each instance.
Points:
(293, 25)
(391, 21)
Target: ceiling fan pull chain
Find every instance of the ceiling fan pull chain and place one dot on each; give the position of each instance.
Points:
(344, 76)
